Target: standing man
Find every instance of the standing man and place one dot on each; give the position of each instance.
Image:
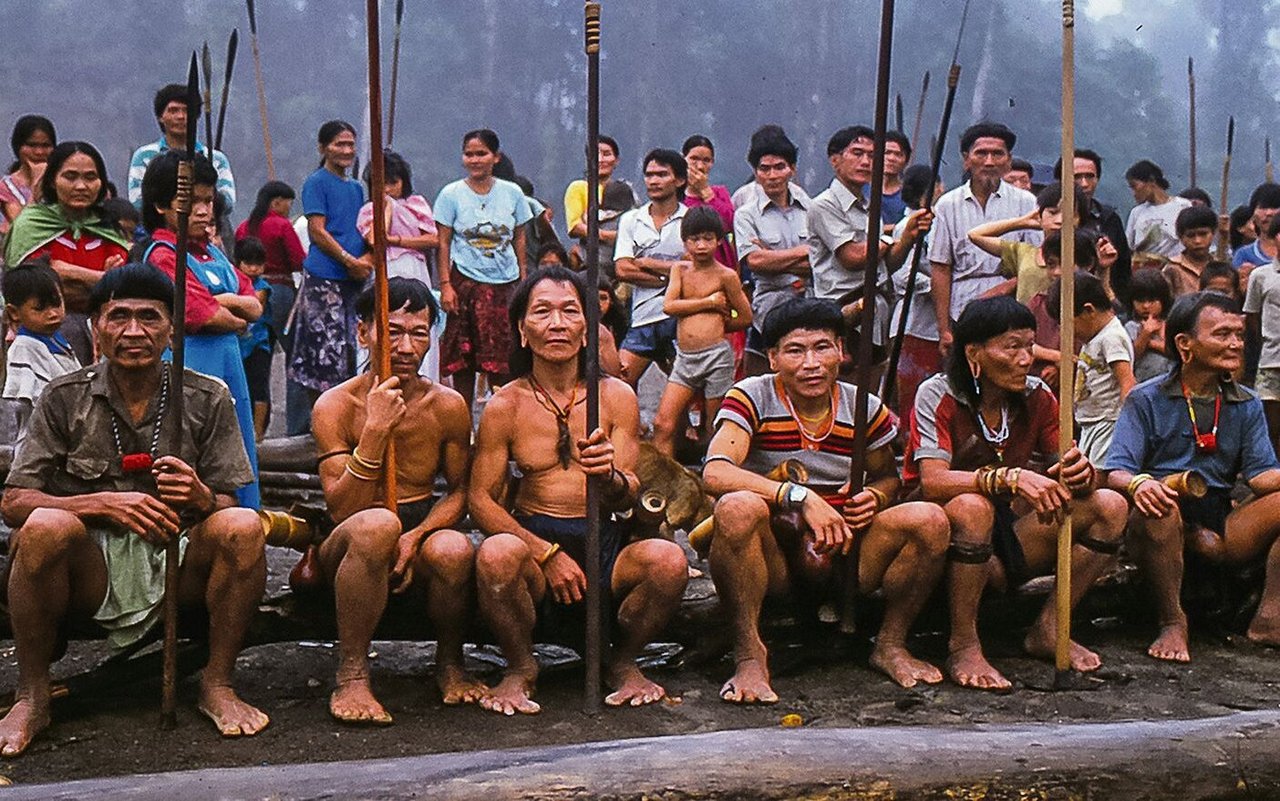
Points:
(897, 154)
(171, 115)
(647, 245)
(1102, 219)
(961, 270)
(771, 229)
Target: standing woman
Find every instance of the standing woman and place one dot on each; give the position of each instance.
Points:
(1151, 230)
(411, 236)
(701, 156)
(336, 267)
(220, 300)
(616, 197)
(269, 222)
(32, 140)
(69, 227)
(482, 255)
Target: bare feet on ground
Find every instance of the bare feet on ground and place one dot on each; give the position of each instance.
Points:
(895, 662)
(1043, 646)
(1171, 645)
(458, 686)
(968, 667)
(750, 685)
(353, 702)
(632, 688)
(25, 720)
(1263, 632)
(232, 716)
(513, 694)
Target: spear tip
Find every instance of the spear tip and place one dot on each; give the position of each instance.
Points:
(399, 11)
(253, 18)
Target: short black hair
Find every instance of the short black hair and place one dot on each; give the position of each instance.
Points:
(1146, 170)
(27, 125)
(250, 250)
(32, 280)
(1193, 217)
(160, 183)
(697, 140)
(1185, 315)
(1022, 165)
(176, 93)
(612, 143)
(701, 220)
(1220, 269)
(59, 156)
(487, 138)
(1089, 291)
(117, 210)
(394, 167)
(1265, 196)
(894, 135)
(409, 294)
(671, 159)
(846, 136)
(771, 140)
(1194, 193)
(802, 314)
(1051, 198)
(1086, 254)
(1273, 227)
(1240, 216)
(134, 281)
(556, 249)
(521, 362)
(982, 320)
(1148, 285)
(915, 184)
(1081, 153)
(987, 130)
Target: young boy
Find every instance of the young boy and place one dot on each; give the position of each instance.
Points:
(39, 354)
(1220, 277)
(1262, 310)
(707, 299)
(1196, 227)
(256, 342)
(1104, 368)
(1045, 349)
(1149, 302)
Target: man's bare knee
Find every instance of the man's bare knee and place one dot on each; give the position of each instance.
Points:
(1157, 532)
(449, 554)
(46, 536)
(500, 559)
(236, 533)
(971, 517)
(371, 535)
(662, 564)
(738, 516)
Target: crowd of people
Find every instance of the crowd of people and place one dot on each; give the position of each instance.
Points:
(750, 301)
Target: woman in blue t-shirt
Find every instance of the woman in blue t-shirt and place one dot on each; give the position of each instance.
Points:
(336, 267)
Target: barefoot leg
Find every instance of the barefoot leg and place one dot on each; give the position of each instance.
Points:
(671, 416)
(650, 578)
(972, 518)
(1265, 628)
(1157, 548)
(1251, 534)
(509, 585)
(446, 563)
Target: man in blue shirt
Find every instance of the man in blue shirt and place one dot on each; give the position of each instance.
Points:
(1197, 418)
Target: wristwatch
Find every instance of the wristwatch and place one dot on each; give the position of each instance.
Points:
(795, 496)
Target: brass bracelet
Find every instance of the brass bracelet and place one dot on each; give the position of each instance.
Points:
(364, 461)
(1137, 481)
(783, 490)
(882, 498)
(1013, 476)
(546, 557)
(358, 475)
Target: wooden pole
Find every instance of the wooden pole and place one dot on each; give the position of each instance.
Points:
(262, 90)
(1224, 236)
(377, 192)
(1191, 93)
(1270, 174)
(232, 45)
(395, 74)
(870, 276)
(1066, 342)
(595, 634)
(897, 115)
(915, 131)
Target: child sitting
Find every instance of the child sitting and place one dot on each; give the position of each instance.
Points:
(707, 299)
(1149, 302)
(39, 354)
(256, 342)
(1196, 227)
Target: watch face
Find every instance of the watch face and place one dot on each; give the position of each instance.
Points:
(797, 495)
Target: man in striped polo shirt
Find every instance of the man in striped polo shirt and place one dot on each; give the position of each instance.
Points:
(801, 411)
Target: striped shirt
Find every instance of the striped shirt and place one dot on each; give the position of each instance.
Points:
(142, 157)
(759, 406)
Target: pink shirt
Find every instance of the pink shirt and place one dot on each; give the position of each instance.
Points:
(410, 216)
(722, 202)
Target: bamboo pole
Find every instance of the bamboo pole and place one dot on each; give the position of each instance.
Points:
(1269, 173)
(262, 90)
(1224, 239)
(395, 74)
(1191, 96)
(1066, 345)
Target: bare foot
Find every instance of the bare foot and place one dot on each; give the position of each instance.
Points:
(25, 720)
(968, 667)
(1264, 632)
(1044, 647)
(232, 716)
(513, 694)
(895, 662)
(1171, 645)
(457, 685)
(750, 685)
(353, 702)
(632, 687)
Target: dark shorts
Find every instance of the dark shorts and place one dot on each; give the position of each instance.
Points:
(478, 335)
(414, 512)
(257, 371)
(655, 341)
(1210, 511)
(1004, 541)
(556, 621)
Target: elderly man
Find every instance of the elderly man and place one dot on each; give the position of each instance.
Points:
(802, 412)
(1197, 418)
(94, 503)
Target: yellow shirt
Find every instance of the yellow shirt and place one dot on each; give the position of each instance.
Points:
(1020, 260)
(575, 202)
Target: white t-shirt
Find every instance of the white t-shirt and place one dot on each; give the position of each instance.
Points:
(1263, 297)
(1097, 390)
(1151, 228)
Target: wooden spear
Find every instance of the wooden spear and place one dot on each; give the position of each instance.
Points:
(915, 131)
(1066, 341)
(172, 553)
(206, 62)
(595, 619)
(897, 115)
(1224, 237)
(395, 74)
(870, 276)
(262, 90)
(1266, 147)
(232, 45)
(377, 193)
(1191, 92)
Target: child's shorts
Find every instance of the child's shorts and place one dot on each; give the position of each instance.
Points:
(709, 369)
(257, 372)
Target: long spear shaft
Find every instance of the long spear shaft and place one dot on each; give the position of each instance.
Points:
(232, 45)
(915, 130)
(172, 554)
(595, 619)
(1191, 96)
(1067, 334)
(395, 74)
(895, 347)
(206, 62)
(1224, 240)
(1270, 174)
(377, 192)
(262, 90)
(858, 462)
(897, 115)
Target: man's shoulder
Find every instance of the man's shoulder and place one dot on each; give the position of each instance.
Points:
(201, 384)
(71, 383)
(145, 152)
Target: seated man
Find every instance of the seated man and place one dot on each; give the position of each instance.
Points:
(1197, 418)
(354, 423)
(94, 503)
(803, 412)
(531, 564)
(976, 430)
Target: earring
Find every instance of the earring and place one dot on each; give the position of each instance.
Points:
(975, 370)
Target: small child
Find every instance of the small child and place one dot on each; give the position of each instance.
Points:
(1104, 368)
(1149, 302)
(125, 216)
(1262, 310)
(256, 342)
(1045, 350)
(1022, 263)
(1196, 226)
(1220, 277)
(39, 354)
(708, 300)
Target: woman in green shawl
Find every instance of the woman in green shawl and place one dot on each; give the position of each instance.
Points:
(68, 228)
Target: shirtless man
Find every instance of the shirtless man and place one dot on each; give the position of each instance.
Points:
(373, 549)
(94, 505)
(802, 412)
(531, 563)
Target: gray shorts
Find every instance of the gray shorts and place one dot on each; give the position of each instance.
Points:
(709, 369)
(1095, 440)
(1267, 383)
